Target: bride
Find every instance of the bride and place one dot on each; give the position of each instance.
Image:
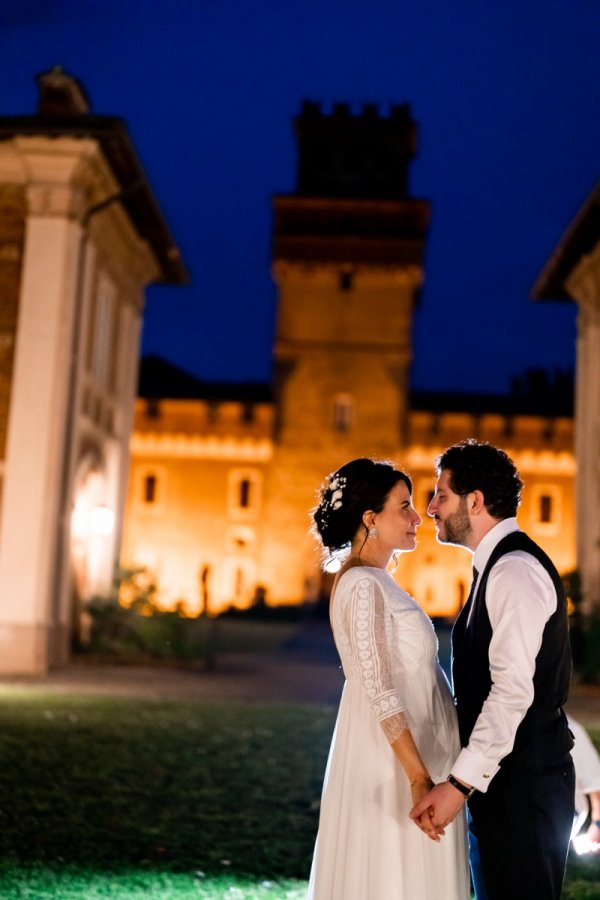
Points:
(396, 731)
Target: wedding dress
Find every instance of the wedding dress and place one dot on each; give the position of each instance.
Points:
(367, 847)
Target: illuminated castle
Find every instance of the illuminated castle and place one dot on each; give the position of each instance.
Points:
(223, 477)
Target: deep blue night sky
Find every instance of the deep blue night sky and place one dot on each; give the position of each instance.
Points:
(506, 94)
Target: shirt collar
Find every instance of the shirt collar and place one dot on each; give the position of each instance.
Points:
(493, 537)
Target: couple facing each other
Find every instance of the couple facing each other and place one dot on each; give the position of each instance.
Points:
(405, 762)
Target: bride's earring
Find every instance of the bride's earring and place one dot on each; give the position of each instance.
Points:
(373, 532)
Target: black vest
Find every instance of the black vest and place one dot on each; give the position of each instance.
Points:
(471, 666)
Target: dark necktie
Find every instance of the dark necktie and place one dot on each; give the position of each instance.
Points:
(463, 616)
(473, 585)
(460, 625)
(471, 597)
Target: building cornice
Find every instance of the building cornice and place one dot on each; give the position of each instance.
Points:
(136, 195)
(211, 447)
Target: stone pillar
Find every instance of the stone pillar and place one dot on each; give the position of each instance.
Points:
(36, 433)
(584, 287)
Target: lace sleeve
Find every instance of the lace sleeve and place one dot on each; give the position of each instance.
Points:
(366, 629)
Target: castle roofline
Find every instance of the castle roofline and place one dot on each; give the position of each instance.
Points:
(160, 379)
(557, 403)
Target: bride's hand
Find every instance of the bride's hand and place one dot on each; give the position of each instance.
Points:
(419, 789)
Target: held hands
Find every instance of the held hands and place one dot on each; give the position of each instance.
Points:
(436, 809)
(420, 789)
(593, 834)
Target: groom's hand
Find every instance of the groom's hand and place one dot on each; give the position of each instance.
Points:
(420, 789)
(442, 805)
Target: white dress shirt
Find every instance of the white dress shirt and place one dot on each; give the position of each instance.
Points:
(520, 598)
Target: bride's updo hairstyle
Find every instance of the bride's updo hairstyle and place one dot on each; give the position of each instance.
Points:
(348, 493)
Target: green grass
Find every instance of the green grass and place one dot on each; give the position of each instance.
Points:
(107, 782)
(71, 883)
(128, 798)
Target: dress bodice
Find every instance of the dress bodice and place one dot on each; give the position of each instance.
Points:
(383, 638)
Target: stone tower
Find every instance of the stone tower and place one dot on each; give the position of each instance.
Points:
(348, 263)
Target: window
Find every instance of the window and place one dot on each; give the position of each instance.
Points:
(248, 413)
(346, 282)
(244, 493)
(150, 489)
(545, 509)
(245, 486)
(343, 413)
(153, 408)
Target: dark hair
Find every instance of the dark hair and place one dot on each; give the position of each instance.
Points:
(475, 466)
(349, 492)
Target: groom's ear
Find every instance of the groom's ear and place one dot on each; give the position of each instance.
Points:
(475, 503)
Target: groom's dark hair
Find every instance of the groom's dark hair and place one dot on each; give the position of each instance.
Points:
(475, 466)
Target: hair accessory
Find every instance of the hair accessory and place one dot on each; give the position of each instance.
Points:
(337, 485)
(373, 532)
(335, 500)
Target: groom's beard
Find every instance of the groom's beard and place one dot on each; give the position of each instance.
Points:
(456, 527)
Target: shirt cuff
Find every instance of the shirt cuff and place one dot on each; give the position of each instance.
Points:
(474, 769)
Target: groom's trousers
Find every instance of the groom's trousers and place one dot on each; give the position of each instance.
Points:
(519, 832)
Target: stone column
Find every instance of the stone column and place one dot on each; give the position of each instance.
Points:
(584, 287)
(36, 438)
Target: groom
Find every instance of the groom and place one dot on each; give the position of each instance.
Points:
(511, 668)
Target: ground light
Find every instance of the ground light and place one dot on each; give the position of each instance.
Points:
(582, 845)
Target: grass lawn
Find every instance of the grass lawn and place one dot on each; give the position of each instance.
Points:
(150, 799)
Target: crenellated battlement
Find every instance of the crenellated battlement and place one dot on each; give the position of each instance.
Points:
(234, 420)
(517, 432)
(313, 110)
(354, 154)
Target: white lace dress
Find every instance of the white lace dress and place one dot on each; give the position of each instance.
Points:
(367, 848)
